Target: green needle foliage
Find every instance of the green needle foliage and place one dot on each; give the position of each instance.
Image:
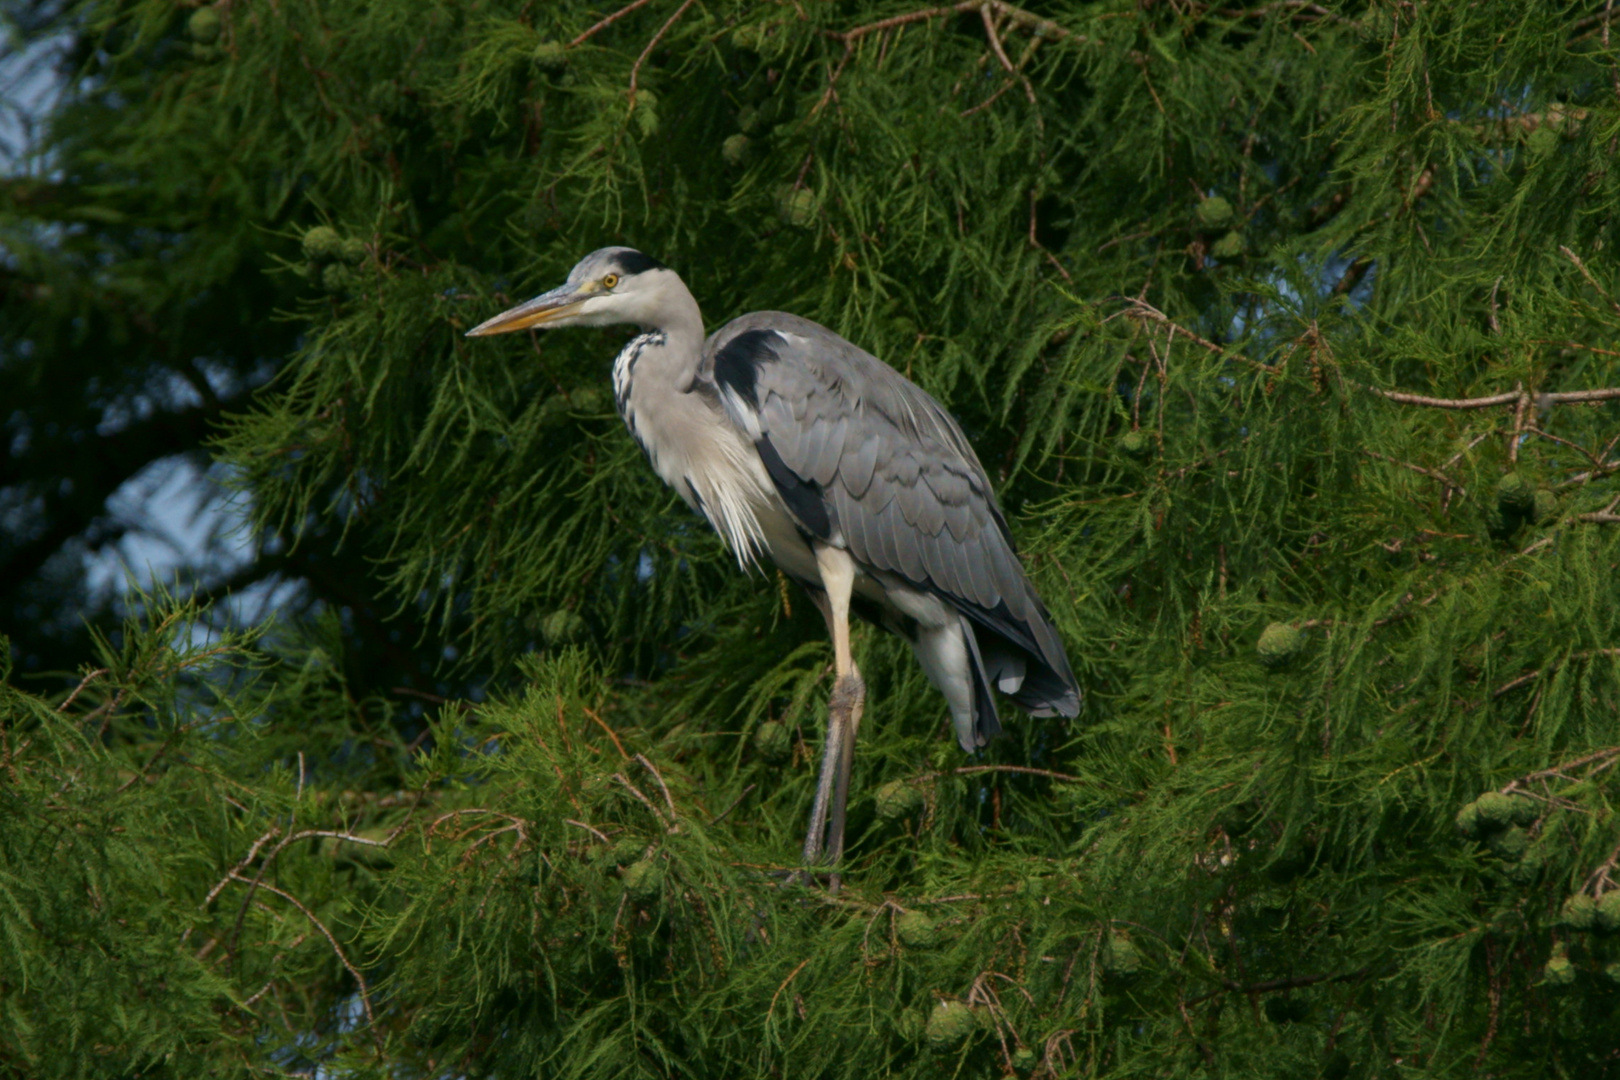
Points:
(1289, 335)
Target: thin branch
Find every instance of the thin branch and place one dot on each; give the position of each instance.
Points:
(1591, 474)
(1144, 310)
(84, 682)
(791, 976)
(603, 24)
(1571, 397)
(599, 834)
(1024, 19)
(650, 767)
(253, 853)
(1001, 52)
(365, 991)
(1587, 274)
(1231, 986)
(1432, 474)
(635, 71)
(1531, 429)
(721, 816)
(603, 725)
(1514, 684)
(637, 792)
(1447, 403)
(1459, 455)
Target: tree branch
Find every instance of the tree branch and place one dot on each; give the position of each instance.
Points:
(635, 71)
(603, 24)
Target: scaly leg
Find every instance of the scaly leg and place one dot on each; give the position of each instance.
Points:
(832, 786)
(853, 692)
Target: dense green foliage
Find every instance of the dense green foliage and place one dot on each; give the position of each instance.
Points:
(1289, 334)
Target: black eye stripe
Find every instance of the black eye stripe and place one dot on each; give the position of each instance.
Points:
(632, 262)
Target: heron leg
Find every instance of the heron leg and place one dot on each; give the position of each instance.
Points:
(853, 691)
(843, 708)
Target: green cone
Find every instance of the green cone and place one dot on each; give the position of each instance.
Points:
(1578, 913)
(1516, 495)
(1214, 212)
(1135, 444)
(1546, 506)
(204, 26)
(916, 930)
(1468, 822)
(898, 799)
(643, 880)
(323, 244)
(1120, 956)
(797, 206)
(1497, 811)
(1608, 912)
(773, 741)
(1279, 644)
(562, 627)
(1510, 844)
(1230, 246)
(550, 56)
(949, 1024)
(734, 151)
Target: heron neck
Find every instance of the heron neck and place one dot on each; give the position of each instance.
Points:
(681, 322)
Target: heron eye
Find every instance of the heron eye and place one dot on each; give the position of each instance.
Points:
(610, 281)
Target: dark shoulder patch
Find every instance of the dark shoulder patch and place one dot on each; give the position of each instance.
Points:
(631, 261)
(736, 366)
(803, 498)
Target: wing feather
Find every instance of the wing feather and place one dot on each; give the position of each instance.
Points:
(855, 468)
(888, 465)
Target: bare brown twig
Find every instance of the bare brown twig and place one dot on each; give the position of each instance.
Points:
(1433, 474)
(603, 24)
(84, 682)
(635, 71)
(1511, 397)
(343, 958)
(1587, 274)
(1514, 684)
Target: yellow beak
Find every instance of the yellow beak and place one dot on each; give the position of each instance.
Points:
(547, 307)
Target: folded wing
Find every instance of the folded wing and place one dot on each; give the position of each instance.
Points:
(866, 459)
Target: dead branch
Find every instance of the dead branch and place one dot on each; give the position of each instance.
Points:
(1447, 403)
(637, 792)
(599, 834)
(603, 24)
(603, 725)
(635, 70)
(1231, 986)
(1024, 19)
(1587, 274)
(1514, 684)
(84, 682)
(360, 980)
(1433, 474)
(1142, 310)
(650, 767)
(253, 853)
(1511, 397)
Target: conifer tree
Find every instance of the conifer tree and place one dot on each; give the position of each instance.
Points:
(1289, 333)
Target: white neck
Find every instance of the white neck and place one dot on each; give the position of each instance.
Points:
(687, 439)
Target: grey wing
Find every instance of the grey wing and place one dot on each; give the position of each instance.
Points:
(866, 459)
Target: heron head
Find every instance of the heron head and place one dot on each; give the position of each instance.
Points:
(610, 285)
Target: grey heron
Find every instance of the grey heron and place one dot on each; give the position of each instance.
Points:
(799, 446)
